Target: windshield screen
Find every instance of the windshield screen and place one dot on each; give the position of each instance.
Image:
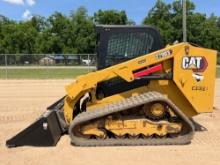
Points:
(124, 46)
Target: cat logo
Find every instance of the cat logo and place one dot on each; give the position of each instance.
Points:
(194, 63)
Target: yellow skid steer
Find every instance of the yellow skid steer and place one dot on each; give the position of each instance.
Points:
(143, 93)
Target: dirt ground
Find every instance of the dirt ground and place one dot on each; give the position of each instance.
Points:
(22, 101)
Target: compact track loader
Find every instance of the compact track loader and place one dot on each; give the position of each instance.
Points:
(141, 94)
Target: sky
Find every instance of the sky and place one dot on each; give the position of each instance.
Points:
(135, 9)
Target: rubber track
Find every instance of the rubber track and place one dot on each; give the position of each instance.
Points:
(122, 105)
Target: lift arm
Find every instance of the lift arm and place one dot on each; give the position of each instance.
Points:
(126, 71)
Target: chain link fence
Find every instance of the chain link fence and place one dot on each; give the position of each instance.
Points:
(43, 66)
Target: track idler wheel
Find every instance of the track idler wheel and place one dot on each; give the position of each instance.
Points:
(155, 111)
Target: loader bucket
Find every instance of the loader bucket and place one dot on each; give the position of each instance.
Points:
(45, 131)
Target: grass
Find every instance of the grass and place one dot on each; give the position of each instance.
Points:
(61, 73)
(42, 73)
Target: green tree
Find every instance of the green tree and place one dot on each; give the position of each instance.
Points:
(39, 23)
(159, 16)
(168, 19)
(210, 34)
(52, 38)
(176, 19)
(111, 17)
(83, 33)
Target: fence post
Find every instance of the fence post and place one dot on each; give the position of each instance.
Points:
(6, 67)
(88, 64)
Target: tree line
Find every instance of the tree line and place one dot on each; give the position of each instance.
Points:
(75, 33)
(57, 33)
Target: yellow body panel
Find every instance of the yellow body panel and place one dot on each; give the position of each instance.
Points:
(192, 87)
(199, 93)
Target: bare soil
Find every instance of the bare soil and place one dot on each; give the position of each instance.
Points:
(22, 101)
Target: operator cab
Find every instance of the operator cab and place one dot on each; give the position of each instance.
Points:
(119, 43)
